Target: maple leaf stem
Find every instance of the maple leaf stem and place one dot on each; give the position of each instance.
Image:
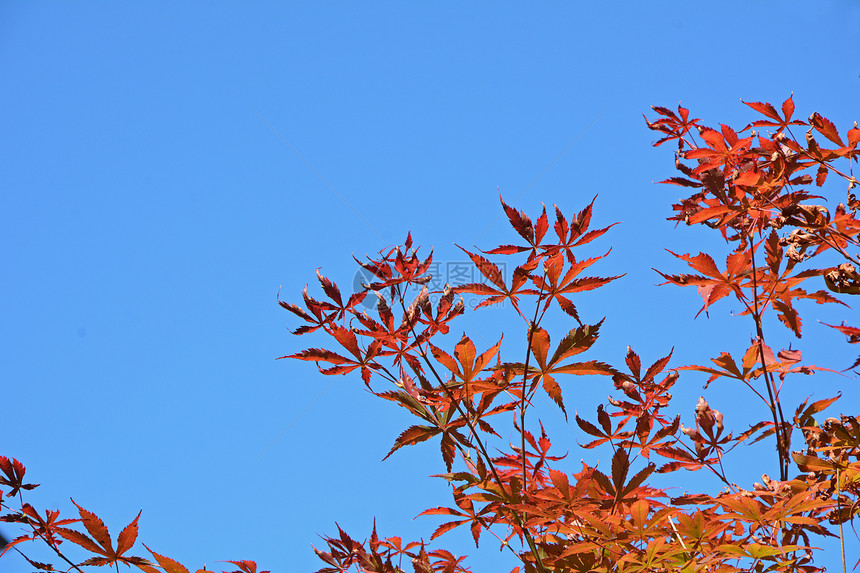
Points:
(502, 542)
(835, 246)
(385, 373)
(826, 165)
(677, 535)
(756, 392)
(791, 133)
(692, 451)
(722, 472)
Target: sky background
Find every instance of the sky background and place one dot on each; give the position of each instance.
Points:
(151, 213)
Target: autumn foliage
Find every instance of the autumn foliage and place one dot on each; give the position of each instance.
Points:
(757, 186)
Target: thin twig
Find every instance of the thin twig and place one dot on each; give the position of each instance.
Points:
(775, 407)
(520, 522)
(838, 516)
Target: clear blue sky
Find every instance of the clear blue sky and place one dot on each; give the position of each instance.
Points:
(150, 216)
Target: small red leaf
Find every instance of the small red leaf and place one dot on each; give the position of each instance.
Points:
(127, 537)
(168, 564)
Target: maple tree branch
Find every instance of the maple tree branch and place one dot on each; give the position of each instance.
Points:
(532, 327)
(42, 537)
(56, 550)
(482, 448)
(839, 514)
(822, 235)
(775, 406)
(447, 390)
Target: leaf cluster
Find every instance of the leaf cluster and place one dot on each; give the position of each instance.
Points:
(752, 186)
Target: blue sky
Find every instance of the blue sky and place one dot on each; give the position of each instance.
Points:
(152, 210)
